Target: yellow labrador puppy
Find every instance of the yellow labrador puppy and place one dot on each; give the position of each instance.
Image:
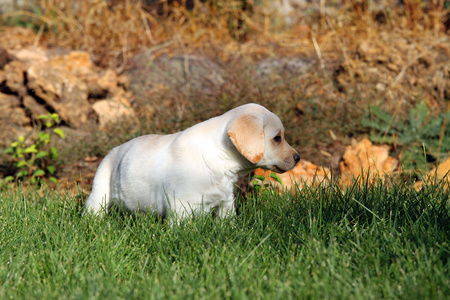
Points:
(192, 171)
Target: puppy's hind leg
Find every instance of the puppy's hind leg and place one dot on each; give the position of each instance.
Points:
(226, 209)
(99, 198)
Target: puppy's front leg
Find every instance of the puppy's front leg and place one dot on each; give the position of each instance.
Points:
(226, 210)
(183, 209)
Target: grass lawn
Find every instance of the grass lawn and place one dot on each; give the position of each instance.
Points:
(361, 243)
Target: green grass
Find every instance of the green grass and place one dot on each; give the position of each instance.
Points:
(361, 243)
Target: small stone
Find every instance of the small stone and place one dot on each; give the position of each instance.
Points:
(365, 159)
(303, 174)
(14, 75)
(7, 101)
(4, 57)
(61, 90)
(110, 111)
(12, 113)
(34, 107)
(440, 173)
(30, 55)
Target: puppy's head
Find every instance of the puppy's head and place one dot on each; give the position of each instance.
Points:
(258, 135)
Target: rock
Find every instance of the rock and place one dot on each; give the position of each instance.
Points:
(184, 73)
(61, 83)
(77, 63)
(13, 133)
(109, 85)
(15, 77)
(364, 159)
(304, 174)
(280, 66)
(8, 101)
(292, 11)
(110, 111)
(109, 81)
(61, 90)
(30, 55)
(35, 109)
(12, 113)
(124, 81)
(4, 57)
(440, 173)
(16, 116)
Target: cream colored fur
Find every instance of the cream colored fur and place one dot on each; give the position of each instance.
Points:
(192, 171)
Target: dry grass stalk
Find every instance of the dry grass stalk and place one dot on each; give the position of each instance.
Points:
(113, 32)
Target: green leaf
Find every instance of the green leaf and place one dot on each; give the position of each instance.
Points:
(445, 144)
(43, 117)
(37, 11)
(59, 132)
(31, 149)
(14, 144)
(48, 124)
(21, 164)
(406, 139)
(54, 154)
(51, 169)
(44, 137)
(55, 117)
(9, 151)
(262, 178)
(276, 177)
(9, 179)
(53, 179)
(257, 185)
(419, 114)
(382, 115)
(41, 154)
(21, 139)
(22, 173)
(382, 139)
(38, 172)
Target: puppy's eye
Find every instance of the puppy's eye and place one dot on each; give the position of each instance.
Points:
(277, 139)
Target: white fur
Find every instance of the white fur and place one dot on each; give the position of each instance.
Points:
(192, 171)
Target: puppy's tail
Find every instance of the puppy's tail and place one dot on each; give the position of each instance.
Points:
(98, 200)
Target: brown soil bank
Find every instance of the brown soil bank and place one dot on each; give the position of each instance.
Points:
(319, 69)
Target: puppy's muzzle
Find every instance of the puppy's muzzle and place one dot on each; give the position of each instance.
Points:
(289, 164)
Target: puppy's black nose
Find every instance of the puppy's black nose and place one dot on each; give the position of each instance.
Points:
(296, 157)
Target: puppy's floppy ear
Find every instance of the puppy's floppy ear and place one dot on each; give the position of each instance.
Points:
(247, 134)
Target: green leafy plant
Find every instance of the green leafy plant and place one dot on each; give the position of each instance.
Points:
(35, 160)
(420, 138)
(23, 16)
(259, 184)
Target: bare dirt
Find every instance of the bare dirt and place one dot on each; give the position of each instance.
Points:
(320, 83)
